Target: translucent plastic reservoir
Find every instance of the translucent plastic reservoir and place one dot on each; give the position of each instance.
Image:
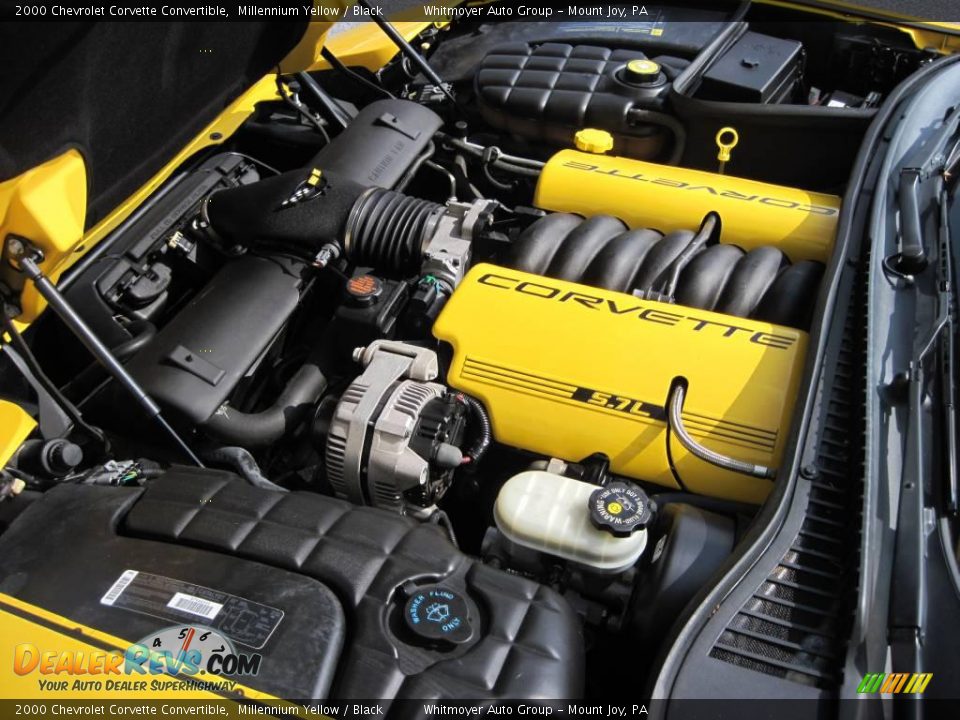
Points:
(547, 512)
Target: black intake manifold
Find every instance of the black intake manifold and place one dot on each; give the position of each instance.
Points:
(761, 284)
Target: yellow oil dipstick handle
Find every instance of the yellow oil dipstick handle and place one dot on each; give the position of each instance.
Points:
(726, 139)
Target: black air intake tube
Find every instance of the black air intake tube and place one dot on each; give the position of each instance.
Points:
(388, 230)
(376, 149)
(260, 214)
(760, 284)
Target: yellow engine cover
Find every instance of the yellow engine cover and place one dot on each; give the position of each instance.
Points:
(567, 370)
(666, 198)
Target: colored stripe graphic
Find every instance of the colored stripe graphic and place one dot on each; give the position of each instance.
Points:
(894, 683)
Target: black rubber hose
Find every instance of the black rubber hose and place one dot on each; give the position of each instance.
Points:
(415, 167)
(386, 229)
(639, 117)
(294, 405)
(244, 463)
(143, 331)
(705, 502)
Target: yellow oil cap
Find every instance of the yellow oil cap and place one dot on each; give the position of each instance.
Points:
(592, 140)
(641, 71)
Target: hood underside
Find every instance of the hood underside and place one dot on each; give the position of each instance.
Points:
(127, 96)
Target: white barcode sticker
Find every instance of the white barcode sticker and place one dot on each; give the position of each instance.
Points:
(195, 605)
(118, 587)
(176, 601)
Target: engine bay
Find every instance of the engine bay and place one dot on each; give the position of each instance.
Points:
(536, 333)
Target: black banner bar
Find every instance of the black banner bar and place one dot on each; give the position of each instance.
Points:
(404, 10)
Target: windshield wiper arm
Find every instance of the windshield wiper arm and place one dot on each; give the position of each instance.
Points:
(928, 161)
(909, 580)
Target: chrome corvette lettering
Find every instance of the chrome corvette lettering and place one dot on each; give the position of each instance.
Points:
(638, 310)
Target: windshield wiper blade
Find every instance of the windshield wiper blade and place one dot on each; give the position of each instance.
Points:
(948, 357)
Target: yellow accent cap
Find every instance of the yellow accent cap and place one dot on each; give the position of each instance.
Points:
(644, 67)
(592, 140)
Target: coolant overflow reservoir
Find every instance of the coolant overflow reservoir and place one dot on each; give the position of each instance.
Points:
(551, 513)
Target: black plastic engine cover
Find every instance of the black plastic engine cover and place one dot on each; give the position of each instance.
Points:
(197, 359)
(526, 641)
(63, 554)
(381, 143)
(547, 92)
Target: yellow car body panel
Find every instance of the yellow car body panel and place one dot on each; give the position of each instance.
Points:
(15, 426)
(366, 46)
(47, 205)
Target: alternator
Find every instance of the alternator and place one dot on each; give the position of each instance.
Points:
(392, 439)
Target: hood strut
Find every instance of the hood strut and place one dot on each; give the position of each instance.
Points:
(24, 256)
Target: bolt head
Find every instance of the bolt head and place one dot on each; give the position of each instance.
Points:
(15, 246)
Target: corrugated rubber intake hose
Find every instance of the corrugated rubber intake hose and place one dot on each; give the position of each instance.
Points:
(387, 230)
(761, 284)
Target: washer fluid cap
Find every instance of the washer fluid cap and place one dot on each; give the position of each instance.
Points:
(593, 140)
(435, 612)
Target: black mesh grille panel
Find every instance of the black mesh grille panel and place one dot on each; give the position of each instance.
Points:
(794, 624)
